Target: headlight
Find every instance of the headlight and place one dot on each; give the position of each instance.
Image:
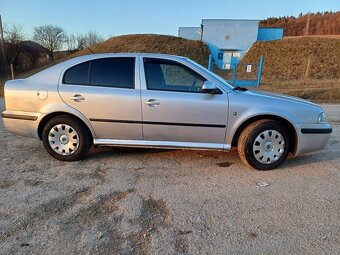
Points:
(322, 118)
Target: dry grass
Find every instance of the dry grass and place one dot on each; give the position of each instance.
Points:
(287, 60)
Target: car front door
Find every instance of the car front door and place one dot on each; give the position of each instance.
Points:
(107, 92)
(174, 108)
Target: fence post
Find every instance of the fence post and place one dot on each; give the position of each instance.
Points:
(234, 75)
(259, 71)
(12, 71)
(210, 63)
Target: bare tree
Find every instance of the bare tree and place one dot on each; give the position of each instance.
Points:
(71, 42)
(51, 37)
(93, 38)
(88, 39)
(13, 41)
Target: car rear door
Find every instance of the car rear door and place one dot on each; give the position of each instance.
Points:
(107, 92)
(175, 110)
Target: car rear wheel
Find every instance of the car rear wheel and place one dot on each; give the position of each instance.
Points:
(66, 138)
(264, 145)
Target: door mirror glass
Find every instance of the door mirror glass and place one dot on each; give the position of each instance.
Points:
(209, 88)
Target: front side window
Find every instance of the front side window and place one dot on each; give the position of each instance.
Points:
(113, 72)
(171, 76)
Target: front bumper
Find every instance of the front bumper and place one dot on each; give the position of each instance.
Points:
(312, 137)
(22, 123)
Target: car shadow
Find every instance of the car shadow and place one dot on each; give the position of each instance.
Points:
(103, 152)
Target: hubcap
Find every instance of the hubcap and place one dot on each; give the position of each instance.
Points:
(269, 146)
(63, 139)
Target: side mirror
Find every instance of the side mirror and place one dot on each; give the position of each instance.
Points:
(209, 88)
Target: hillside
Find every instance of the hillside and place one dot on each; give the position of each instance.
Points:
(288, 59)
(307, 67)
(150, 43)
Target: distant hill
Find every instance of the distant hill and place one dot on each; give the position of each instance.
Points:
(321, 23)
(196, 50)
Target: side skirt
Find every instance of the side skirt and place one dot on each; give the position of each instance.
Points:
(161, 144)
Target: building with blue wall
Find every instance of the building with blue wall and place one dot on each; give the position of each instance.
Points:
(229, 39)
(269, 34)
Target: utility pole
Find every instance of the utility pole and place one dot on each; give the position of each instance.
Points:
(307, 25)
(3, 48)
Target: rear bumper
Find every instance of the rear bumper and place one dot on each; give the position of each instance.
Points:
(22, 123)
(312, 137)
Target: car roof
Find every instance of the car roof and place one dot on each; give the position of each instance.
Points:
(80, 59)
(127, 54)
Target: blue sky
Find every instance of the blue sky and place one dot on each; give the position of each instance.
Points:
(117, 17)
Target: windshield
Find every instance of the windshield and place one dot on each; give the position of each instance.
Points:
(216, 76)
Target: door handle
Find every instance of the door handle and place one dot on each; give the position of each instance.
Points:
(77, 98)
(152, 103)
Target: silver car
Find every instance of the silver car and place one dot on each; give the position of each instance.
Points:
(158, 101)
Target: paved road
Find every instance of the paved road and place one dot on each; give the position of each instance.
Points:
(332, 111)
(135, 201)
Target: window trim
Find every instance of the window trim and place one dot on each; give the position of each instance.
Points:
(173, 62)
(89, 74)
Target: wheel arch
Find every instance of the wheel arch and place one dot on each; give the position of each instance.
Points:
(291, 129)
(52, 115)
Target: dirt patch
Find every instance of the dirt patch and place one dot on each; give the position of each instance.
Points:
(52, 208)
(7, 184)
(252, 235)
(104, 205)
(224, 164)
(98, 174)
(33, 182)
(153, 215)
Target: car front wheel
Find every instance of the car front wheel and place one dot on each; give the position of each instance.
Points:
(66, 138)
(264, 145)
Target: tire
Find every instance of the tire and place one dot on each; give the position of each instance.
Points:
(66, 138)
(264, 145)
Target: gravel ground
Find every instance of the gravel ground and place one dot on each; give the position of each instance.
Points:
(141, 201)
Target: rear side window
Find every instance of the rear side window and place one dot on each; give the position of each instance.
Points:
(113, 72)
(78, 74)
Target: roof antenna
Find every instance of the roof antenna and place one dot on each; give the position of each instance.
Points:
(90, 50)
